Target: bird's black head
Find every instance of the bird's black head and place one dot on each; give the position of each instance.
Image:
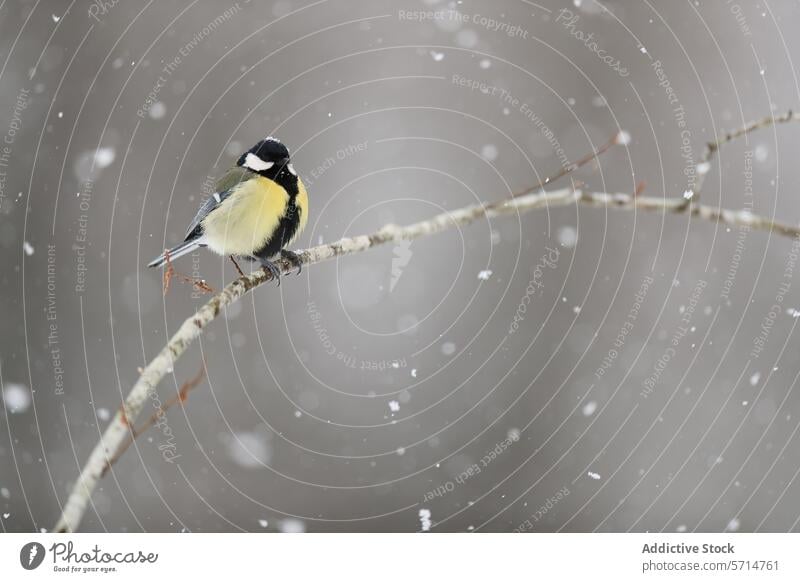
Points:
(268, 157)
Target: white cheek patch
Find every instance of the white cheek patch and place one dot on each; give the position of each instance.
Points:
(290, 167)
(253, 162)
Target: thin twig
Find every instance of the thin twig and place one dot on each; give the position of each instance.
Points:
(170, 272)
(704, 165)
(238, 268)
(621, 138)
(181, 396)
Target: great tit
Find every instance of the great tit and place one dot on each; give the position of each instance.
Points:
(259, 206)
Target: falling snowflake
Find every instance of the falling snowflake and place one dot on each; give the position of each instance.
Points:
(292, 525)
(104, 157)
(394, 405)
(489, 152)
(425, 519)
(17, 398)
(594, 476)
(484, 275)
(249, 449)
(567, 236)
(158, 110)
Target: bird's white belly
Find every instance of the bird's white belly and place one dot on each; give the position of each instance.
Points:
(245, 220)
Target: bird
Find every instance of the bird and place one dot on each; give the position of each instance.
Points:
(259, 206)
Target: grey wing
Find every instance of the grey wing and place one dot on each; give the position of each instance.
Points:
(195, 229)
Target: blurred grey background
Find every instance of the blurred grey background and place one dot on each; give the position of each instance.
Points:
(649, 382)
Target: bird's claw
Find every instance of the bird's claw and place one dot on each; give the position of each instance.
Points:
(293, 258)
(272, 269)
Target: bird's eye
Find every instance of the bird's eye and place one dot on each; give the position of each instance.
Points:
(290, 167)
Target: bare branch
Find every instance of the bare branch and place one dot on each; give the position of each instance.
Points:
(712, 147)
(621, 138)
(114, 438)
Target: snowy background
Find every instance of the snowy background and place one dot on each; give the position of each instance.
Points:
(389, 391)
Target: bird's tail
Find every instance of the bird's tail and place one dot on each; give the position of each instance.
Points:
(175, 252)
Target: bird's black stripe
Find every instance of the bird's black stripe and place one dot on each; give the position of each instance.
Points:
(287, 226)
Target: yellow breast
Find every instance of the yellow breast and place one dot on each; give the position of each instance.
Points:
(247, 218)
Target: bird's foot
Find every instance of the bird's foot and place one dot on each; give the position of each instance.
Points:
(272, 269)
(293, 258)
